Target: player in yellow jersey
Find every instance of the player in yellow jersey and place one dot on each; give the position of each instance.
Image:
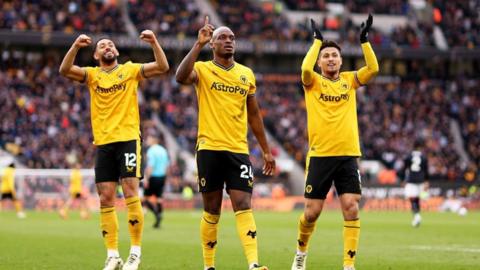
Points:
(7, 190)
(226, 102)
(75, 191)
(116, 130)
(334, 146)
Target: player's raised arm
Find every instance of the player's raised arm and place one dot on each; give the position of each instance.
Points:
(185, 73)
(312, 55)
(160, 65)
(256, 124)
(367, 72)
(67, 68)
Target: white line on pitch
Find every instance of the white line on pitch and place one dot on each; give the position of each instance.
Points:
(452, 248)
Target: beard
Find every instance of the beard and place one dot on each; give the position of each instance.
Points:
(108, 60)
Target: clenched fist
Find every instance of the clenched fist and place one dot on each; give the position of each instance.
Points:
(148, 36)
(82, 41)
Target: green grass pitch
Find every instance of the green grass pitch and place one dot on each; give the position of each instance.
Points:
(444, 241)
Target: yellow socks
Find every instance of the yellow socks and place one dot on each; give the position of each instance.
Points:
(135, 220)
(305, 231)
(351, 233)
(208, 233)
(109, 226)
(18, 206)
(247, 231)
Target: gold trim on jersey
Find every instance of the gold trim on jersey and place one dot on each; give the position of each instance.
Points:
(356, 79)
(223, 67)
(138, 172)
(332, 80)
(110, 70)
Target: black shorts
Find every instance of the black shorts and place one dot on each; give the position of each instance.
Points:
(323, 171)
(219, 168)
(155, 187)
(8, 195)
(76, 195)
(118, 160)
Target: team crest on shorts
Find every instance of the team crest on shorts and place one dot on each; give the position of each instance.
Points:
(250, 182)
(308, 188)
(130, 168)
(203, 182)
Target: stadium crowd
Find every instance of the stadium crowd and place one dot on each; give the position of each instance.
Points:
(45, 117)
(178, 18)
(460, 22)
(73, 16)
(458, 19)
(379, 7)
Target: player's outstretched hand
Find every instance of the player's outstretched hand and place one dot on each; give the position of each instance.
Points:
(148, 36)
(82, 41)
(269, 164)
(365, 27)
(206, 32)
(315, 31)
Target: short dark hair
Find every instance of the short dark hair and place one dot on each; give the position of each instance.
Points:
(418, 143)
(102, 38)
(330, 43)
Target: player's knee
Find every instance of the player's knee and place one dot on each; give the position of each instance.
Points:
(311, 216)
(107, 199)
(350, 209)
(241, 205)
(212, 210)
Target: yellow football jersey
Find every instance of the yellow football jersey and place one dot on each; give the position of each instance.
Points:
(8, 180)
(332, 116)
(114, 104)
(75, 181)
(222, 106)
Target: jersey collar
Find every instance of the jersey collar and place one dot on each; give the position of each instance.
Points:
(223, 67)
(336, 80)
(110, 70)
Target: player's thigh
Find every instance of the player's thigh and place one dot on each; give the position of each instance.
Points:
(239, 172)
(212, 201)
(241, 200)
(130, 186)
(319, 177)
(106, 169)
(413, 190)
(211, 170)
(129, 159)
(347, 177)
(107, 191)
(313, 209)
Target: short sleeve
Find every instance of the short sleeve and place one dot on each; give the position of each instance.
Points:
(197, 67)
(253, 84)
(89, 74)
(315, 81)
(354, 81)
(150, 158)
(136, 70)
(167, 158)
